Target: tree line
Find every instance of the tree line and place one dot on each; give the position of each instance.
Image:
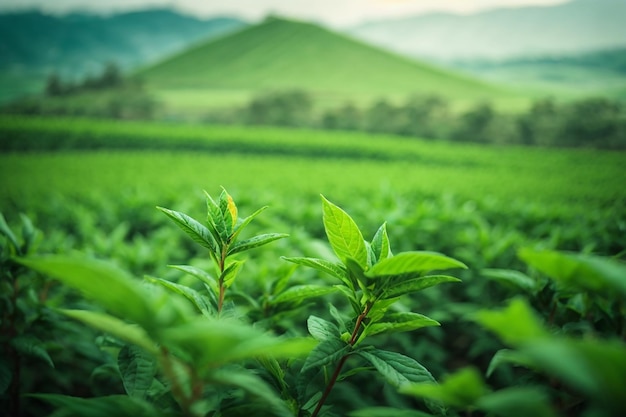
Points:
(596, 122)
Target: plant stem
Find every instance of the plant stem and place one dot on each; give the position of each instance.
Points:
(342, 361)
(222, 264)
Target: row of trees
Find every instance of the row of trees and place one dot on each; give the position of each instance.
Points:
(591, 122)
(110, 77)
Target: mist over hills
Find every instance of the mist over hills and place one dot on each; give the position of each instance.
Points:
(579, 26)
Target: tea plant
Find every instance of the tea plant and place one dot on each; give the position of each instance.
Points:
(570, 354)
(179, 353)
(372, 279)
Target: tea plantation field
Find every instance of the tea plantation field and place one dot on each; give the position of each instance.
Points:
(534, 327)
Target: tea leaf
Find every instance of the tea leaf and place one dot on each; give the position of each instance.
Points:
(237, 230)
(343, 234)
(594, 367)
(211, 342)
(193, 228)
(322, 329)
(325, 353)
(396, 368)
(255, 386)
(461, 389)
(6, 230)
(254, 242)
(128, 332)
(299, 293)
(380, 244)
(516, 324)
(199, 274)
(515, 357)
(32, 347)
(137, 369)
(580, 271)
(231, 272)
(507, 276)
(397, 289)
(110, 287)
(400, 322)
(332, 268)
(517, 402)
(200, 302)
(413, 262)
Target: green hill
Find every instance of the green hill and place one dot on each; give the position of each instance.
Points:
(285, 54)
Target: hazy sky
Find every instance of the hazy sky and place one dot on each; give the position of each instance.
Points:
(334, 12)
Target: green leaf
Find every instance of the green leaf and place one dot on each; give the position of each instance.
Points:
(507, 276)
(255, 386)
(325, 353)
(299, 293)
(115, 327)
(254, 242)
(508, 356)
(216, 221)
(198, 232)
(396, 368)
(332, 268)
(580, 271)
(397, 289)
(137, 368)
(199, 301)
(110, 287)
(322, 329)
(413, 262)
(387, 412)
(516, 324)
(229, 212)
(594, 367)
(343, 234)
(200, 274)
(112, 405)
(400, 322)
(517, 402)
(231, 272)
(32, 347)
(380, 244)
(238, 229)
(461, 389)
(211, 342)
(6, 230)
(28, 233)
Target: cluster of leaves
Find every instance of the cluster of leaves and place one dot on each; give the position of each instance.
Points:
(563, 336)
(184, 351)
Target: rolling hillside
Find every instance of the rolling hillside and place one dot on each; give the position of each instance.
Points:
(283, 54)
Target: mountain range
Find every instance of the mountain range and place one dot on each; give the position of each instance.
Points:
(78, 44)
(575, 27)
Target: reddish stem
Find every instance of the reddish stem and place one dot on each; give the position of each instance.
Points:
(342, 361)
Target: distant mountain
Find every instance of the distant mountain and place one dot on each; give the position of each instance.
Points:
(579, 26)
(280, 54)
(77, 44)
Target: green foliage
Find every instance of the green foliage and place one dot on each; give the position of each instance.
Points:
(367, 271)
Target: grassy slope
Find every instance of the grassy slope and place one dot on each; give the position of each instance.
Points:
(279, 54)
